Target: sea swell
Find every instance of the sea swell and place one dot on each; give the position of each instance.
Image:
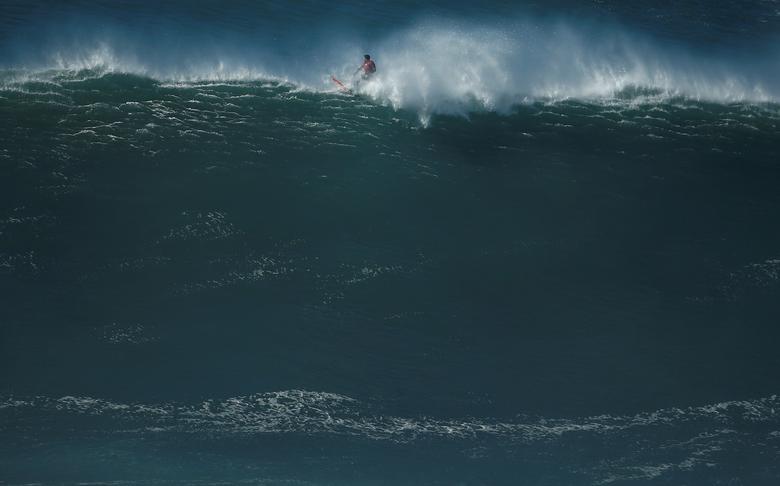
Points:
(539, 247)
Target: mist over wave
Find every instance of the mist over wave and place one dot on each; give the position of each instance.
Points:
(432, 66)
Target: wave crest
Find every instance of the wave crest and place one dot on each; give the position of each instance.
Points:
(439, 67)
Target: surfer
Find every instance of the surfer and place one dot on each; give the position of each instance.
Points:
(368, 67)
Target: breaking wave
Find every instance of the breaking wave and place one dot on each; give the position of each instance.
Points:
(431, 66)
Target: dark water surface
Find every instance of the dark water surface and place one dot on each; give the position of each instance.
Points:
(541, 247)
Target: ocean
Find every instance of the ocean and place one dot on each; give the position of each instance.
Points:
(541, 246)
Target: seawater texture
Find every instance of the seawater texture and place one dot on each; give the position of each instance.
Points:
(539, 247)
(693, 439)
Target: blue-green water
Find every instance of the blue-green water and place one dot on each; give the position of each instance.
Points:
(540, 247)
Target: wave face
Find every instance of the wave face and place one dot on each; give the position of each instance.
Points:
(136, 109)
(540, 247)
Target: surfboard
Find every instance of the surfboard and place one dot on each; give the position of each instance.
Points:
(340, 85)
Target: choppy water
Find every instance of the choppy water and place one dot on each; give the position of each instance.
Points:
(541, 247)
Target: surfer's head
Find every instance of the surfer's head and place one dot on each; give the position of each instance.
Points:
(366, 57)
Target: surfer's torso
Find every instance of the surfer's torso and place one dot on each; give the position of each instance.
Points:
(369, 67)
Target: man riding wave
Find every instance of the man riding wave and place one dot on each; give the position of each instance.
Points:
(369, 69)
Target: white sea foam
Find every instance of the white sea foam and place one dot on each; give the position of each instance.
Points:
(323, 412)
(454, 68)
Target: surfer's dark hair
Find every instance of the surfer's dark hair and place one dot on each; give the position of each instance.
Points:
(367, 56)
